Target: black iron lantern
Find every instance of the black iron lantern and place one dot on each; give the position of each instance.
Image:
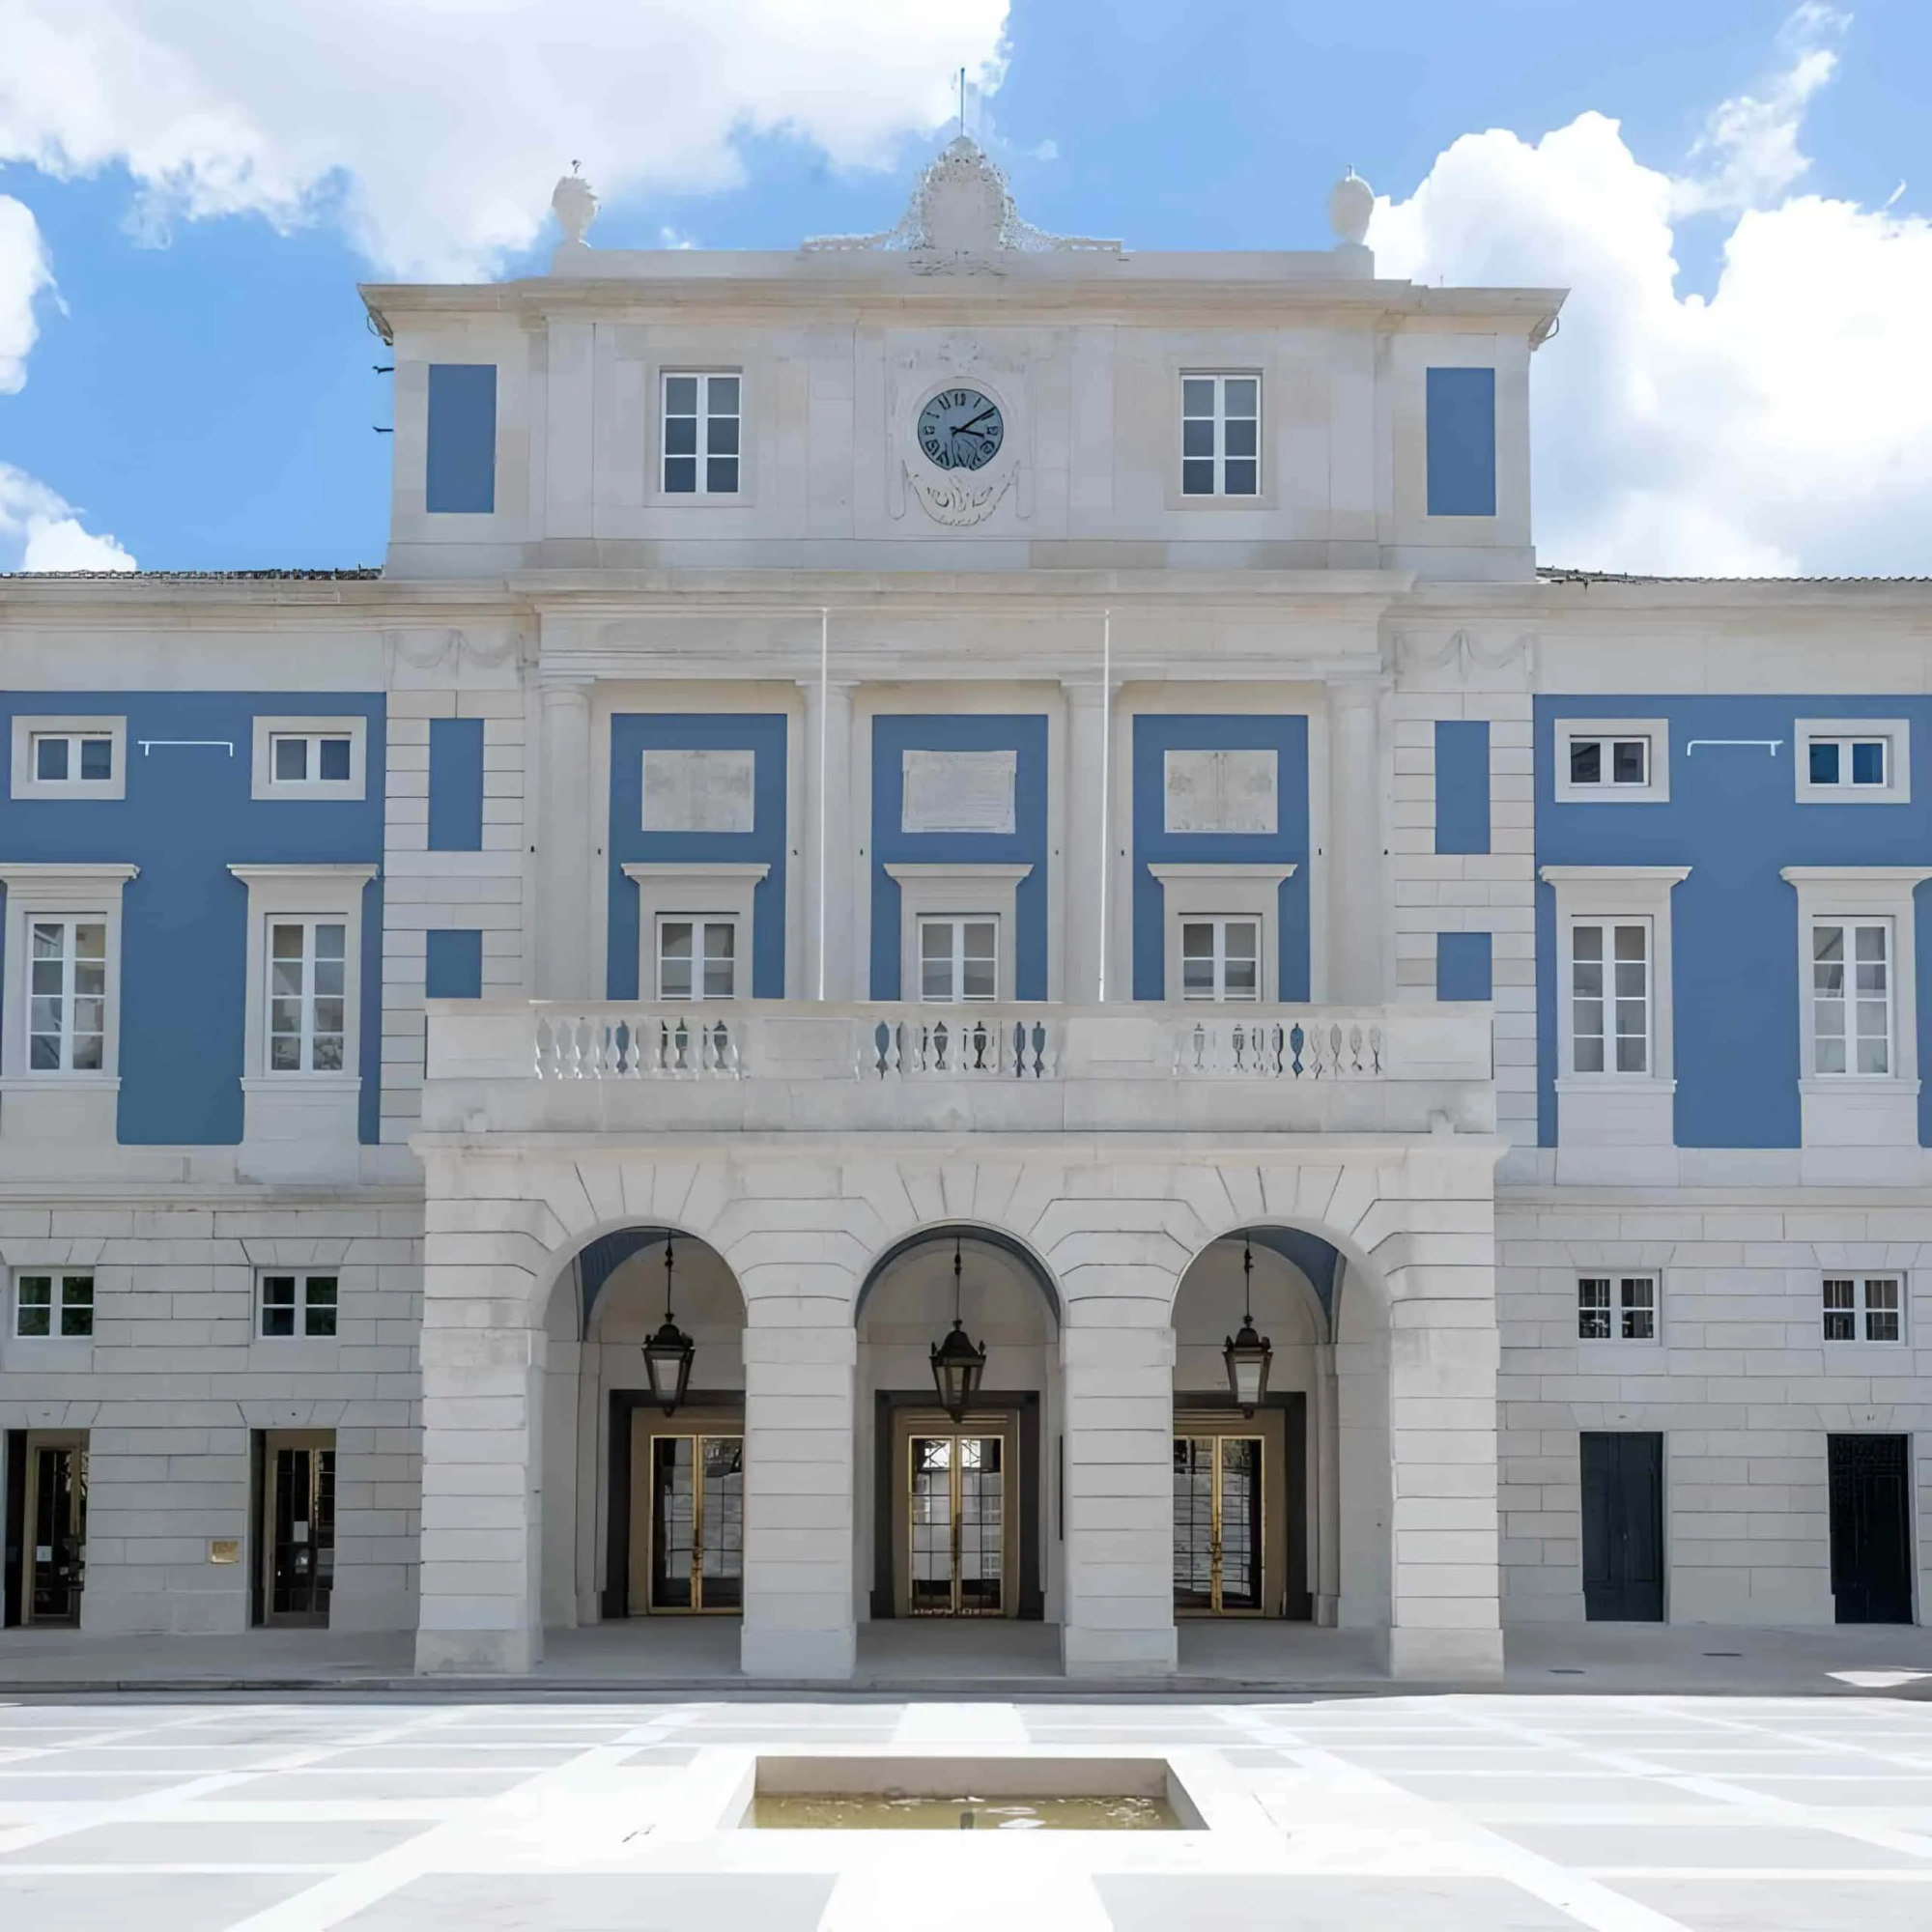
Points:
(1248, 1354)
(669, 1352)
(956, 1364)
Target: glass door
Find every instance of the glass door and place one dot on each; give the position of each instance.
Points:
(697, 1523)
(1218, 1534)
(956, 1526)
(57, 1518)
(299, 1542)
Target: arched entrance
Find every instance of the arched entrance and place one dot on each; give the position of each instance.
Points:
(955, 1518)
(642, 1510)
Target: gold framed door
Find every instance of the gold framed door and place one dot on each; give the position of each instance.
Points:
(688, 1488)
(298, 1527)
(1230, 1525)
(956, 1534)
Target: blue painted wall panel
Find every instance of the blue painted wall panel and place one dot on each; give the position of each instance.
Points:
(632, 735)
(1734, 818)
(1465, 966)
(1462, 432)
(456, 784)
(1462, 785)
(1156, 734)
(187, 817)
(1025, 846)
(460, 477)
(453, 966)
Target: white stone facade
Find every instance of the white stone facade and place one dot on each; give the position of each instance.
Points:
(1097, 738)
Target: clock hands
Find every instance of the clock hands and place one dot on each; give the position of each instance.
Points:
(989, 409)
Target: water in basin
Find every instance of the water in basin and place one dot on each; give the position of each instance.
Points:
(872, 1811)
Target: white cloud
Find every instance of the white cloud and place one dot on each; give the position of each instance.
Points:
(45, 530)
(1783, 426)
(25, 270)
(435, 133)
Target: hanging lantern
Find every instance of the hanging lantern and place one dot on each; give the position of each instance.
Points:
(669, 1352)
(956, 1364)
(1248, 1354)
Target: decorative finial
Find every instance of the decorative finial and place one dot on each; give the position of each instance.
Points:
(1351, 201)
(575, 206)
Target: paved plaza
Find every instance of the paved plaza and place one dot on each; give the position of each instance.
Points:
(1447, 1814)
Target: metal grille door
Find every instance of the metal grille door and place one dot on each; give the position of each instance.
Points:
(1219, 1540)
(57, 1527)
(301, 1535)
(697, 1523)
(956, 1503)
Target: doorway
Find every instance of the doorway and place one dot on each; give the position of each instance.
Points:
(1232, 1479)
(47, 1527)
(1623, 1527)
(296, 1510)
(1871, 1537)
(955, 1521)
(687, 1499)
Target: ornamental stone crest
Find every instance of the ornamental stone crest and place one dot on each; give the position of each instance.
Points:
(961, 220)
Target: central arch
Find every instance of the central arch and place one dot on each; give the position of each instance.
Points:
(989, 1561)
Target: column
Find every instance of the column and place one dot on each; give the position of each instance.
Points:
(1119, 1423)
(1086, 817)
(482, 1485)
(828, 790)
(799, 1386)
(1357, 865)
(564, 967)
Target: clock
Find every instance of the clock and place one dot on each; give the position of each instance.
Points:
(961, 428)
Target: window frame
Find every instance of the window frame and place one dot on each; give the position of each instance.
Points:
(959, 957)
(1220, 459)
(1895, 733)
(1192, 890)
(671, 890)
(699, 921)
(1851, 998)
(311, 959)
(1608, 997)
(267, 730)
(29, 730)
(1860, 1282)
(36, 894)
(1614, 895)
(1218, 925)
(60, 1278)
(1655, 731)
(1852, 896)
(303, 1305)
(1619, 1307)
(70, 925)
(700, 458)
(973, 892)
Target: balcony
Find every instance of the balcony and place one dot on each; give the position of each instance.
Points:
(801, 1066)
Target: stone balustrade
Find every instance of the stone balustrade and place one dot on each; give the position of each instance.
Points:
(777, 1065)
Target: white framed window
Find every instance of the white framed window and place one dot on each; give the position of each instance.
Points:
(1220, 435)
(1610, 1004)
(959, 960)
(1220, 959)
(1851, 997)
(294, 1305)
(1853, 760)
(1864, 1308)
(1612, 760)
(53, 1304)
(703, 414)
(70, 758)
(1616, 1308)
(698, 957)
(308, 1004)
(66, 995)
(310, 758)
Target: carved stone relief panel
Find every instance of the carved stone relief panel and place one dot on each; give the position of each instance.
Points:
(1221, 791)
(700, 791)
(959, 791)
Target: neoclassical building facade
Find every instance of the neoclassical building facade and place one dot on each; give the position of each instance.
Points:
(961, 783)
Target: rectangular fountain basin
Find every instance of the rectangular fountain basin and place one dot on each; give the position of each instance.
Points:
(954, 1794)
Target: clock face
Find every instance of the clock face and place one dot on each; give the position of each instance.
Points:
(961, 428)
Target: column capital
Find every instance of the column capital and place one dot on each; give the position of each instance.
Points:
(555, 686)
(1088, 691)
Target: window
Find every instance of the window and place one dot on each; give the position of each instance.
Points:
(63, 758)
(1864, 1308)
(1853, 760)
(702, 415)
(297, 1304)
(1616, 1308)
(1220, 959)
(1851, 997)
(307, 980)
(1609, 761)
(958, 960)
(697, 959)
(1613, 762)
(66, 995)
(1221, 436)
(302, 758)
(1610, 997)
(53, 1304)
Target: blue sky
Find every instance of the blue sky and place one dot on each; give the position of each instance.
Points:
(201, 382)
